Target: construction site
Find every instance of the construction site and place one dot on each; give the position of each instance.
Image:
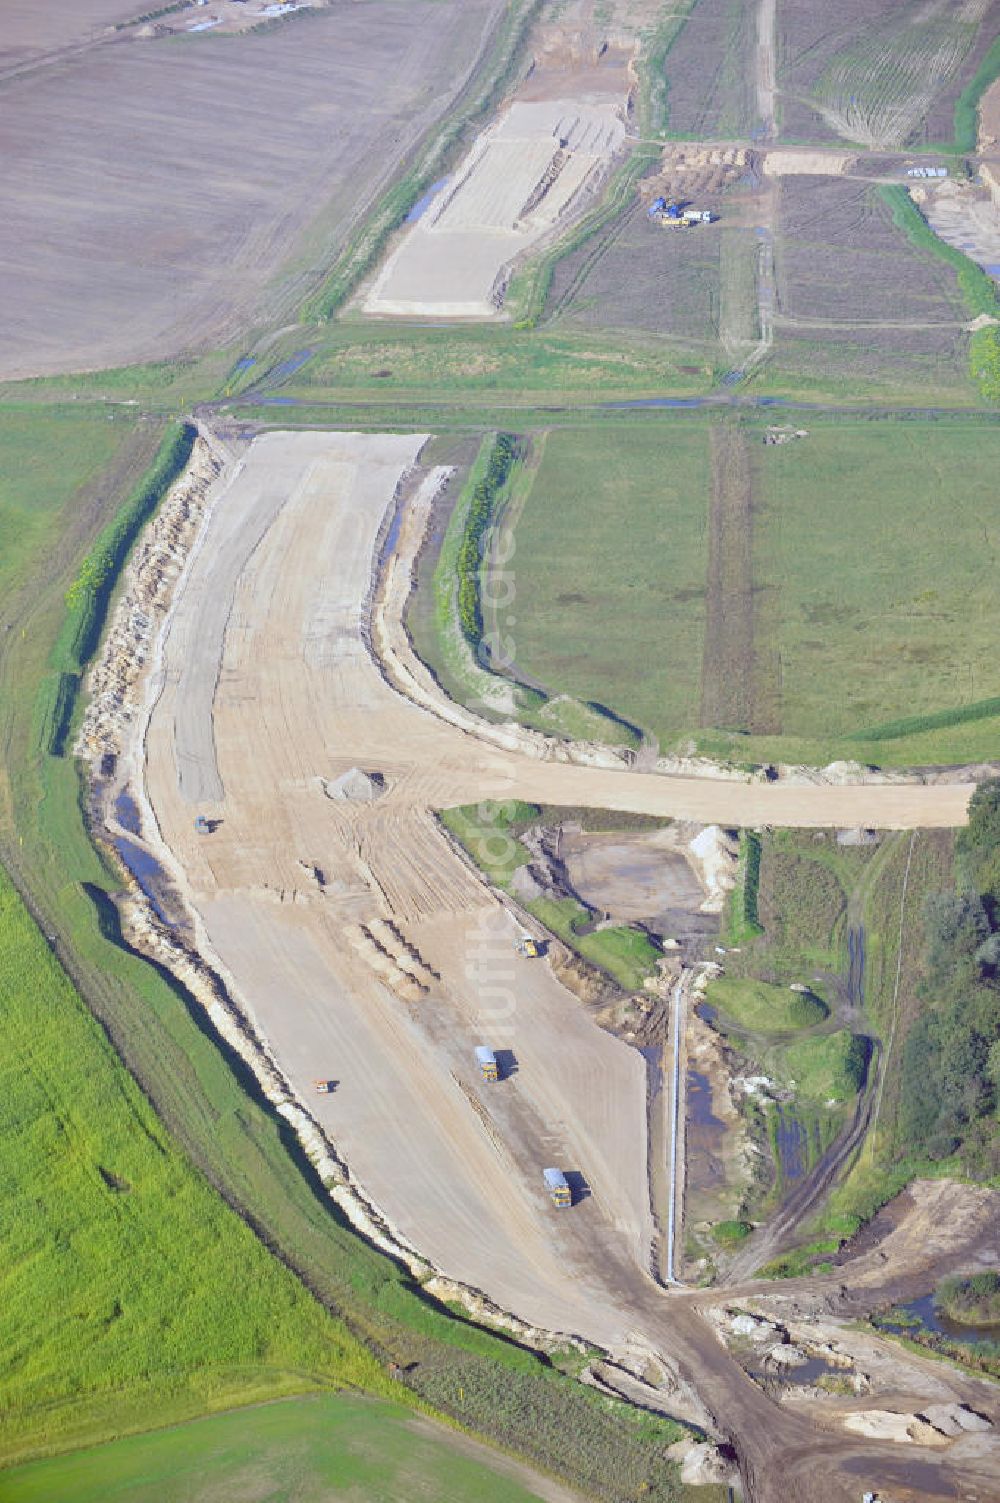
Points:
(568, 932)
(275, 757)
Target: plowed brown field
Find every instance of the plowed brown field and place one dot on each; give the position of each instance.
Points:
(153, 187)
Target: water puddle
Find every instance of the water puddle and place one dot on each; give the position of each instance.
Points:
(150, 876)
(424, 202)
(805, 1373)
(291, 365)
(792, 1143)
(127, 813)
(662, 402)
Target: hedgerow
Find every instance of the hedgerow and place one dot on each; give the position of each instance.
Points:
(477, 523)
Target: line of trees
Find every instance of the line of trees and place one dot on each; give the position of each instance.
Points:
(950, 1075)
(474, 538)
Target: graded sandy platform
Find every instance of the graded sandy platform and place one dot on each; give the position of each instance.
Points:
(521, 177)
(268, 687)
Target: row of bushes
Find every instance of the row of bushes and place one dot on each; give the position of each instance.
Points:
(912, 725)
(978, 289)
(477, 523)
(950, 1068)
(967, 104)
(984, 362)
(89, 596)
(744, 919)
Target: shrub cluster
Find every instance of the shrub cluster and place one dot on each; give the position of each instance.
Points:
(984, 362)
(744, 919)
(974, 1299)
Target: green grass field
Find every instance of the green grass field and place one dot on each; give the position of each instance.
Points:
(828, 1068)
(301, 1451)
(610, 567)
(883, 609)
(128, 1289)
(469, 366)
(45, 453)
(882, 617)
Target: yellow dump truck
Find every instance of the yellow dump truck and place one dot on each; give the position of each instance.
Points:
(487, 1062)
(558, 1188)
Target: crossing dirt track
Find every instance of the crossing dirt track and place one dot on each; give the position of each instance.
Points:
(366, 951)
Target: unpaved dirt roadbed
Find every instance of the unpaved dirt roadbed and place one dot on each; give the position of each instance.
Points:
(269, 692)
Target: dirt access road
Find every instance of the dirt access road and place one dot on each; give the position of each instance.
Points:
(365, 949)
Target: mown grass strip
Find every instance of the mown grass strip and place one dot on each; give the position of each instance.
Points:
(911, 725)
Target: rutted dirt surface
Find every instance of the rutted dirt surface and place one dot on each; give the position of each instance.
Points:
(317, 913)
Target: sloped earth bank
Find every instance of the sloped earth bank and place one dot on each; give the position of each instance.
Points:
(348, 940)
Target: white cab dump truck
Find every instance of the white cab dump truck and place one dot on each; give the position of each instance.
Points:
(487, 1062)
(558, 1188)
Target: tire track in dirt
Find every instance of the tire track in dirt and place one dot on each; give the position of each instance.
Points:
(739, 684)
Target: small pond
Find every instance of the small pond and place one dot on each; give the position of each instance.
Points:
(932, 1319)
